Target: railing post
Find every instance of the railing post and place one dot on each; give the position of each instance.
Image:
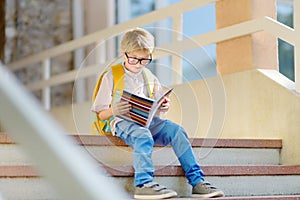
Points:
(100, 52)
(297, 45)
(177, 57)
(163, 65)
(78, 31)
(46, 92)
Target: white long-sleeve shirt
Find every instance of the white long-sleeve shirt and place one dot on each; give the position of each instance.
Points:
(133, 82)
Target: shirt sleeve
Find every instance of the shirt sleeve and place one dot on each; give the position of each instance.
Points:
(104, 96)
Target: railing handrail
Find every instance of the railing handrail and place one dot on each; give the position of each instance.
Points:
(99, 36)
(248, 27)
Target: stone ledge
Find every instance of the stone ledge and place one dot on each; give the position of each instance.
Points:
(127, 171)
(24, 171)
(213, 170)
(91, 140)
(5, 138)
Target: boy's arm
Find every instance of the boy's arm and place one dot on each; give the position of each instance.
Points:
(119, 108)
(105, 114)
(103, 99)
(165, 104)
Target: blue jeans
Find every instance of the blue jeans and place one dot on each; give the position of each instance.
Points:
(161, 132)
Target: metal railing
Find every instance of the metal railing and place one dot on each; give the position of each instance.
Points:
(178, 45)
(64, 164)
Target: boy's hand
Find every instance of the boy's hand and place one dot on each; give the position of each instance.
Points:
(165, 104)
(120, 108)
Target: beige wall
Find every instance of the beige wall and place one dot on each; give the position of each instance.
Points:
(256, 107)
(248, 104)
(74, 118)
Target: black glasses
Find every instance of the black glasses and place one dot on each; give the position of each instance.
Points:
(134, 61)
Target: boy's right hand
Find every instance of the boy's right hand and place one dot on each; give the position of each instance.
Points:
(120, 108)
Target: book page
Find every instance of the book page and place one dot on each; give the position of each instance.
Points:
(156, 106)
(142, 109)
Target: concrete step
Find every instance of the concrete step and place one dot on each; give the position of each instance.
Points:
(207, 151)
(23, 182)
(11, 153)
(235, 181)
(241, 167)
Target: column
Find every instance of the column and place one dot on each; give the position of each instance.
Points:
(255, 51)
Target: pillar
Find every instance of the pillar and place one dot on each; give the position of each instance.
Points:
(99, 15)
(255, 51)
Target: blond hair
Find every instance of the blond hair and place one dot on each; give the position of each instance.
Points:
(137, 39)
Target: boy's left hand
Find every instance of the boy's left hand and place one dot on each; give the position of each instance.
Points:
(165, 104)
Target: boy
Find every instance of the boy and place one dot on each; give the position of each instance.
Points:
(136, 48)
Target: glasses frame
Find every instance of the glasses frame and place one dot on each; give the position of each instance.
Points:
(138, 60)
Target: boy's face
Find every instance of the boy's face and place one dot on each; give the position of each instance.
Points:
(135, 61)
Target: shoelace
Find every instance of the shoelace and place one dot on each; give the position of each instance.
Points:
(209, 185)
(155, 186)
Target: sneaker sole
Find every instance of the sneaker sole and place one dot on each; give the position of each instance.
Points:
(210, 195)
(159, 196)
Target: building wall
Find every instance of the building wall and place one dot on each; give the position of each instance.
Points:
(33, 26)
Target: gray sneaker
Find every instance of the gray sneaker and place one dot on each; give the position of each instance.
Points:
(153, 190)
(206, 190)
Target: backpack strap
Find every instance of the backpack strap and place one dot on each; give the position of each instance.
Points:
(96, 123)
(118, 77)
(149, 79)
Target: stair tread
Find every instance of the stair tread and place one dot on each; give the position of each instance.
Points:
(17, 171)
(213, 170)
(5, 138)
(279, 197)
(92, 140)
(195, 142)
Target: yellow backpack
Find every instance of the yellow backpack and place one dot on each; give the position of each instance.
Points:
(102, 127)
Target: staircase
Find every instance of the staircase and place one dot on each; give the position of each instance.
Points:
(242, 168)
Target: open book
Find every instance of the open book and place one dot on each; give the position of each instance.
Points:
(142, 109)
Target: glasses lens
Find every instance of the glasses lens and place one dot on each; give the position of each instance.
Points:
(145, 62)
(133, 61)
